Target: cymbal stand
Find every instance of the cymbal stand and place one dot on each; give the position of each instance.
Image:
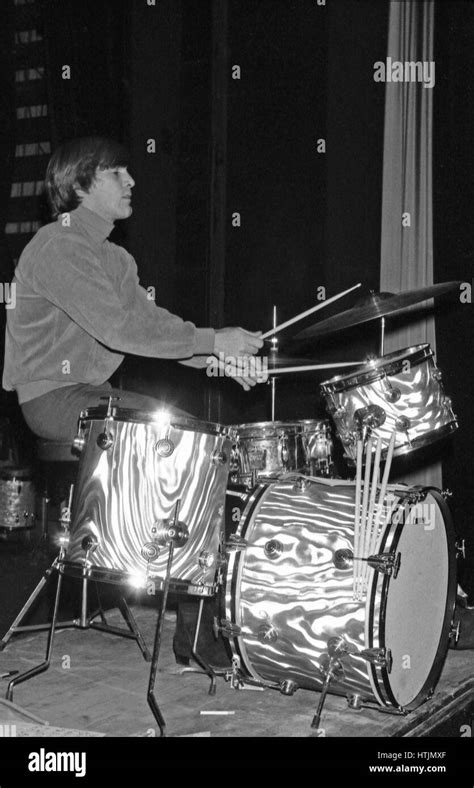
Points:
(382, 336)
(274, 350)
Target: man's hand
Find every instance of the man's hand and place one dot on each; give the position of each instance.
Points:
(251, 372)
(237, 342)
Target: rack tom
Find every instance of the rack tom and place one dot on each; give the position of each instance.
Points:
(398, 393)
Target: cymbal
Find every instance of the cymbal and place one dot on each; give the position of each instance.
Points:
(373, 306)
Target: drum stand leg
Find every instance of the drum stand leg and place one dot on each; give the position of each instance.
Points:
(152, 702)
(332, 668)
(205, 665)
(49, 649)
(133, 632)
(84, 622)
(14, 627)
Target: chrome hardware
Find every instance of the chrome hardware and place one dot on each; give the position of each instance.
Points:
(331, 668)
(343, 559)
(446, 494)
(234, 675)
(235, 543)
(166, 531)
(354, 701)
(164, 447)
(369, 418)
(228, 629)
(109, 399)
(267, 633)
(339, 413)
(273, 549)
(455, 631)
(300, 484)
(385, 563)
(89, 543)
(234, 464)
(104, 440)
(413, 496)
(460, 548)
(392, 394)
(337, 646)
(78, 444)
(206, 560)
(436, 374)
(150, 551)
(284, 453)
(402, 424)
(219, 458)
(288, 687)
(65, 518)
(378, 656)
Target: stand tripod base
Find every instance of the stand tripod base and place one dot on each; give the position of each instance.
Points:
(85, 621)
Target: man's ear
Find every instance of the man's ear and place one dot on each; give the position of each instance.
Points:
(80, 192)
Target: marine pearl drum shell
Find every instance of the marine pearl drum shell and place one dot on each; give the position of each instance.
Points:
(289, 594)
(136, 471)
(398, 393)
(268, 449)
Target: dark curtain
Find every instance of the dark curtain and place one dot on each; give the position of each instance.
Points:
(7, 150)
(453, 184)
(89, 38)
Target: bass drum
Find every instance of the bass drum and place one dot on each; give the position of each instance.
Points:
(289, 593)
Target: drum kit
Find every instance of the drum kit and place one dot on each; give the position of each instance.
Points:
(325, 584)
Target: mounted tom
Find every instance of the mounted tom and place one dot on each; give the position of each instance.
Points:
(398, 393)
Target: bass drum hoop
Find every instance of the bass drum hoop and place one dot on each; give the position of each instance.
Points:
(380, 677)
(234, 571)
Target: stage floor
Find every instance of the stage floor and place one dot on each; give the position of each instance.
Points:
(97, 685)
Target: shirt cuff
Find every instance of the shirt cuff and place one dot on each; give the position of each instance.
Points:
(205, 340)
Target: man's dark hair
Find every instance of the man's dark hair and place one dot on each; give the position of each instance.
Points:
(74, 165)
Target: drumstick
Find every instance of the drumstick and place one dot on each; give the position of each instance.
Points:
(370, 516)
(356, 563)
(313, 366)
(383, 490)
(309, 312)
(363, 518)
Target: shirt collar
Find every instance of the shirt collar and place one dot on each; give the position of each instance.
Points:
(97, 227)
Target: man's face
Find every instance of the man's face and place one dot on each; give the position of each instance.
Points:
(110, 194)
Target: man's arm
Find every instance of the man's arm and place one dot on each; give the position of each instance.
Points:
(71, 276)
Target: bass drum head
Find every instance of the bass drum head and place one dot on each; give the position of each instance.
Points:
(420, 602)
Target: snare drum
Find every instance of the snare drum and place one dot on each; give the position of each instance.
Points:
(403, 393)
(267, 449)
(289, 592)
(17, 499)
(139, 472)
